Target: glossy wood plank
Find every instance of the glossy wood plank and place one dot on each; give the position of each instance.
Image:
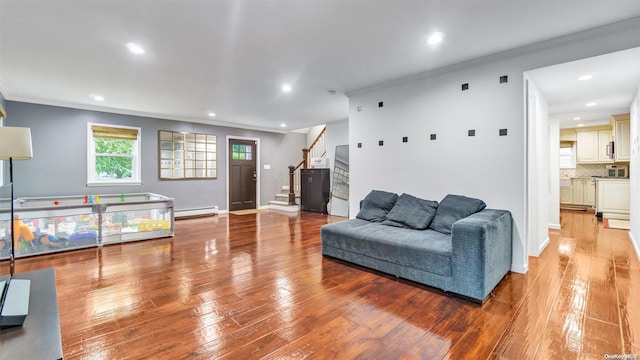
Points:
(256, 286)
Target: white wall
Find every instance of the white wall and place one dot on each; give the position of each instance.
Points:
(554, 174)
(487, 166)
(538, 165)
(634, 174)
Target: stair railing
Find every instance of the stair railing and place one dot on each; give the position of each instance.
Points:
(317, 149)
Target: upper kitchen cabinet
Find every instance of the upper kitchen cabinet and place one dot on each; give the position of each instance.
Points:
(621, 137)
(593, 146)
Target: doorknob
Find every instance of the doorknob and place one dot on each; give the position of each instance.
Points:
(255, 176)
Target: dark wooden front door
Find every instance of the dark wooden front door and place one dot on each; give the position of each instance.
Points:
(242, 174)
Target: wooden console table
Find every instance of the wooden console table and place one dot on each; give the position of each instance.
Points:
(39, 337)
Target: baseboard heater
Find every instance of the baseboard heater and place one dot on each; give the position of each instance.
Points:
(196, 212)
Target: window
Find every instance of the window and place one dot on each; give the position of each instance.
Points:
(185, 155)
(113, 155)
(241, 152)
(567, 155)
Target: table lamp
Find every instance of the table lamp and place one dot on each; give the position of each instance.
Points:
(15, 144)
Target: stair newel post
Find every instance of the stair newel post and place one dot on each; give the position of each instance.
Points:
(292, 195)
(305, 158)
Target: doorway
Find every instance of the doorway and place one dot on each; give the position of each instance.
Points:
(243, 174)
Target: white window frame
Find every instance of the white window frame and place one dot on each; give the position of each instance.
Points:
(136, 178)
(573, 157)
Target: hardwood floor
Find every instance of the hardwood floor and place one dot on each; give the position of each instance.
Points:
(256, 286)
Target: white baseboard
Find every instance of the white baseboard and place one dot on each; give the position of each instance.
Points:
(197, 212)
(543, 246)
(555, 226)
(635, 244)
(264, 207)
(519, 269)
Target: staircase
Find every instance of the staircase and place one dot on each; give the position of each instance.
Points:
(282, 201)
(289, 199)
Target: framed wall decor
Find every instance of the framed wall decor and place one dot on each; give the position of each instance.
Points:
(183, 155)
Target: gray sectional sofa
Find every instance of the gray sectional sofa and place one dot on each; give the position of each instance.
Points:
(456, 245)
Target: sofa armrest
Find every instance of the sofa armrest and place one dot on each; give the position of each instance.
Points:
(481, 251)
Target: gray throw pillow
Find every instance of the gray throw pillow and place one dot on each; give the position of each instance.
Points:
(453, 208)
(412, 212)
(376, 205)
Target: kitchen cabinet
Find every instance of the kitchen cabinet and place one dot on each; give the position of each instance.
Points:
(587, 147)
(592, 147)
(314, 190)
(604, 146)
(613, 198)
(622, 137)
(583, 191)
(566, 195)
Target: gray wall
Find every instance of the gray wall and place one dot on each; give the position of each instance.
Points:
(486, 166)
(59, 164)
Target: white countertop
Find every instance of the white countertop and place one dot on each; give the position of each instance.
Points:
(611, 179)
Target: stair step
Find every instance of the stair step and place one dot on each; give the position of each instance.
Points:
(285, 197)
(283, 206)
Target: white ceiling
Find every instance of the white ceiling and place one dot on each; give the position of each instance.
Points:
(615, 82)
(231, 56)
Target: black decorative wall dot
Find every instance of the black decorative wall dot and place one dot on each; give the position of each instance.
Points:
(471, 133)
(405, 139)
(465, 86)
(504, 79)
(380, 104)
(503, 132)
(359, 108)
(359, 145)
(433, 136)
(380, 143)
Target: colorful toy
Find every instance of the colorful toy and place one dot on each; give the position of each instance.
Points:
(86, 199)
(122, 197)
(97, 198)
(90, 199)
(56, 203)
(23, 235)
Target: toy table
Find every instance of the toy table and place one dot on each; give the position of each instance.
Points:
(53, 224)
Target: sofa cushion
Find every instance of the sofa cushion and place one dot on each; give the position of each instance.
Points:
(453, 208)
(376, 205)
(411, 212)
(426, 250)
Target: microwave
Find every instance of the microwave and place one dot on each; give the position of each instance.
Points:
(617, 171)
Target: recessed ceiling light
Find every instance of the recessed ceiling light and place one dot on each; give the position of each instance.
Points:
(576, 118)
(435, 38)
(283, 125)
(135, 48)
(286, 87)
(585, 77)
(212, 114)
(580, 125)
(98, 97)
(591, 104)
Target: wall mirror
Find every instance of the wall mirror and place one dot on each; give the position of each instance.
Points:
(340, 189)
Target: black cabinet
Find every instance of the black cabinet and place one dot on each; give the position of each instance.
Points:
(314, 190)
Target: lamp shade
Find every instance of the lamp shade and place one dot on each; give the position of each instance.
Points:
(15, 143)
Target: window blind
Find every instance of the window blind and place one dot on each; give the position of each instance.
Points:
(114, 132)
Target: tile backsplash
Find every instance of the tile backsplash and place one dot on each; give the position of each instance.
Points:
(584, 170)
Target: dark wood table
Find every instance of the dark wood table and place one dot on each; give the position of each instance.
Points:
(39, 337)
